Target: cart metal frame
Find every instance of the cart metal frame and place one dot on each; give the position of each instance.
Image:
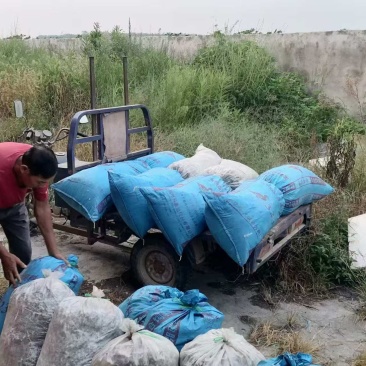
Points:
(153, 260)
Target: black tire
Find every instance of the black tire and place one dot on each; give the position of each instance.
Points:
(154, 262)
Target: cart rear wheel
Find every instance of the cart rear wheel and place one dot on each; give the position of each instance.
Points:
(154, 262)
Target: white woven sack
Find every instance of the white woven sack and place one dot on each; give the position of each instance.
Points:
(80, 327)
(195, 165)
(220, 347)
(137, 347)
(232, 172)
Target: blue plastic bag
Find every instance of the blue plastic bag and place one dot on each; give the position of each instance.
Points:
(180, 319)
(130, 202)
(136, 306)
(240, 220)
(287, 359)
(179, 211)
(72, 277)
(88, 191)
(161, 159)
(299, 185)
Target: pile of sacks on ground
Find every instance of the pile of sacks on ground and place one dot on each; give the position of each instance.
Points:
(47, 323)
(184, 196)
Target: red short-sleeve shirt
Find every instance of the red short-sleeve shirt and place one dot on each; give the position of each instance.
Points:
(10, 193)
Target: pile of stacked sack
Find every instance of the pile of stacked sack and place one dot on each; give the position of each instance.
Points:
(184, 196)
(47, 323)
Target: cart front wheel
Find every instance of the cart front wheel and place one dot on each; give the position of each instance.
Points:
(154, 262)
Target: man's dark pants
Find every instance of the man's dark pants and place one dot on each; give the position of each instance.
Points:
(15, 223)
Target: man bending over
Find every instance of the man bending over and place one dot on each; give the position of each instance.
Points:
(24, 169)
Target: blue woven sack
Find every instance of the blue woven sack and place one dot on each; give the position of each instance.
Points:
(299, 186)
(130, 202)
(88, 191)
(136, 306)
(287, 359)
(240, 220)
(178, 316)
(179, 211)
(161, 159)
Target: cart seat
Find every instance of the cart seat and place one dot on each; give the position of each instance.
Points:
(115, 136)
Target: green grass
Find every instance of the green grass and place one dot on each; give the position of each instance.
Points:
(240, 76)
(231, 137)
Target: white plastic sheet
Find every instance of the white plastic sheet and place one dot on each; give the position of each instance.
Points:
(356, 239)
(29, 314)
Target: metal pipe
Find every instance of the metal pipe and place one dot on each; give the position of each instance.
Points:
(93, 104)
(126, 100)
(125, 80)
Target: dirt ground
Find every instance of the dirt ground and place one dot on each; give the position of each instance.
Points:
(331, 324)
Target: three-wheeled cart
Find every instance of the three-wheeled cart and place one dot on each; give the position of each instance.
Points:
(153, 259)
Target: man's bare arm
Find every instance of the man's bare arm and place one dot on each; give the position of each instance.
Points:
(42, 211)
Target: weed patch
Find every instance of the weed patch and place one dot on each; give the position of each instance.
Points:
(360, 360)
(285, 338)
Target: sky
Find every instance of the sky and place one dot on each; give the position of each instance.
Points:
(56, 17)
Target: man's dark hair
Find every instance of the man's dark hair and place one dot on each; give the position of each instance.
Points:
(41, 161)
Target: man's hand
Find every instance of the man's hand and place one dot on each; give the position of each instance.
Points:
(59, 255)
(10, 263)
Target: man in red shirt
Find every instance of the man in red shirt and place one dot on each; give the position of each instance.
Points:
(24, 169)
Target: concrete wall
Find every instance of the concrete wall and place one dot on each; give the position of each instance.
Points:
(333, 62)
